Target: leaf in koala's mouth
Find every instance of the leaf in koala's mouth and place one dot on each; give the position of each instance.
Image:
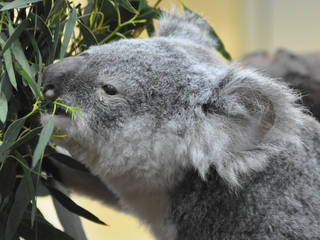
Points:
(60, 111)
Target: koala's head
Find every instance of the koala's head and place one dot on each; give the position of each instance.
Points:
(155, 107)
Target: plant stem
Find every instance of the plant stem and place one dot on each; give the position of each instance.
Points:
(157, 3)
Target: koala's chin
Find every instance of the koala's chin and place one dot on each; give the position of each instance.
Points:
(71, 139)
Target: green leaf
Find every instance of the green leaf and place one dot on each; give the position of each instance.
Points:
(36, 48)
(68, 32)
(18, 4)
(23, 62)
(26, 138)
(47, 4)
(66, 160)
(58, 6)
(3, 107)
(142, 4)
(7, 186)
(108, 11)
(18, 54)
(43, 231)
(8, 63)
(10, 137)
(88, 36)
(72, 206)
(40, 24)
(42, 190)
(31, 186)
(4, 92)
(56, 40)
(32, 84)
(70, 222)
(21, 201)
(13, 131)
(150, 29)
(7, 180)
(15, 34)
(127, 5)
(44, 138)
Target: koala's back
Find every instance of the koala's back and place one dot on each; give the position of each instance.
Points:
(282, 202)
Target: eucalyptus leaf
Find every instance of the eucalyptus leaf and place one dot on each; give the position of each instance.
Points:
(3, 107)
(68, 161)
(10, 136)
(15, 33)
(88, 36)
(56, 41)
(44, 138)
(3, 100)
(150, 29)
(18, 4)
(45, 231)
(142, 4)
(108, 11)
(71, 23)
(32, 84)
(26, 138)
(72, 206)
(22, 199)
(18, 53)
(39, 23)
(7, 186)
(127, 5)
(9, 66)
(36, 48)
(30, 183)
(71, 222)
(7, 180)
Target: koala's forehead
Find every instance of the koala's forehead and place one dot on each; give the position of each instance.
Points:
(133, 55)
(152, 62)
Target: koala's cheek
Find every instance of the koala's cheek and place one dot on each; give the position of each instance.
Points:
(60, 122)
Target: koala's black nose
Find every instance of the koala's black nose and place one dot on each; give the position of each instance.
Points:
(56, 76)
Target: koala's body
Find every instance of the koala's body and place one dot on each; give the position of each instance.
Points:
(194, 147)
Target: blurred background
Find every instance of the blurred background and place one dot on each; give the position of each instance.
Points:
(244, 26)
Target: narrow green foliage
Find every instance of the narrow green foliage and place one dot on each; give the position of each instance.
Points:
(17, 4)
(43, 141)
(15, 34)
(68, 32)
(127, 5)
(8, 63)
(23, 195)
(72, 206)
(5, 94)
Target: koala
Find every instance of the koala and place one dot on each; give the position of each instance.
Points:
(194, 147)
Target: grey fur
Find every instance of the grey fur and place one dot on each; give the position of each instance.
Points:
(192, 146)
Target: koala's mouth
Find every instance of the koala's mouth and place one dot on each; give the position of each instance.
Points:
(59, 111)
(62, 112)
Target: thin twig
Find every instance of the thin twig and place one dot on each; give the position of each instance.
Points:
(157, 3)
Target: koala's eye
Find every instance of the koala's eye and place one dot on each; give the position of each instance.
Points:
(109, 89)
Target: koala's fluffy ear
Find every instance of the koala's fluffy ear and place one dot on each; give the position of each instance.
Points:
(247, 119)
(187, 26)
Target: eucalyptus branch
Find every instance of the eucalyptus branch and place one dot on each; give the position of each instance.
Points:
(26, 167)
(74, 110)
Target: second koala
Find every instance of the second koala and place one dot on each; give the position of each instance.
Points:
(196, 148)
